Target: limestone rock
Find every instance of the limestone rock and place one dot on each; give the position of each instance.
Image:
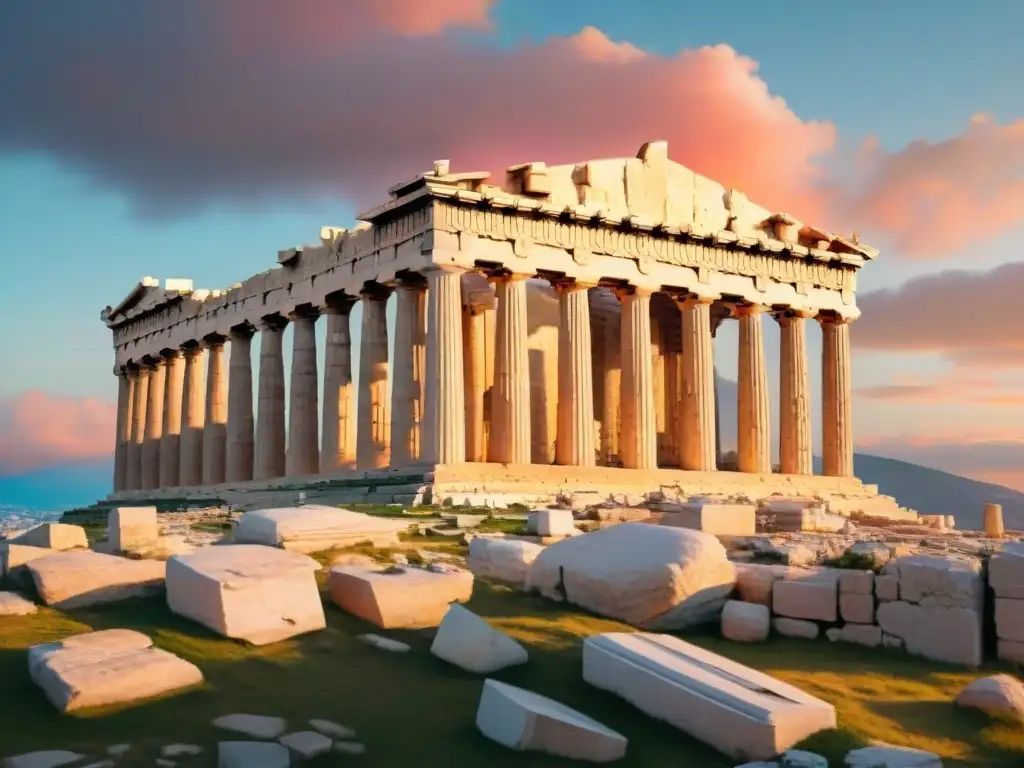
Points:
(247, 592)
(739, 711)
(799, 758)
(704, 514)
(307, 744)
(114, 666)
(129, 528)
(79, 579)
(1009, 619)
(252, 754)
(931, 580)
(467, 641)
(52, 758)
(505, 560)
(856, 582)
(1001, 695)
(754, 581)
(887, 587)
(892, 757)
(525, 721)
(314, 528)
(1006, 571)
(809, 595)
(746, 622)
(1008, 650)
(867, 635)
(651, 576)
(257, 726)
(16, 556)
(857, 608)
(398, 598)
(875, 551)
(554, 522)
(58, 536)
(953, 635)
(332, 729)
(180, 750)
(796, 628)
(385, 643)
(13, 604)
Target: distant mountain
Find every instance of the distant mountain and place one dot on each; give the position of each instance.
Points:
(58, 487)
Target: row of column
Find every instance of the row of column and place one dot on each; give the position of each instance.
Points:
(173, 431)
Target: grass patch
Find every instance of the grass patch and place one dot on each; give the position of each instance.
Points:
(414, 708)
(211, 527)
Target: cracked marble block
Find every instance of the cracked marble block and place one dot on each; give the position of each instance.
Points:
(247, 592)
(398, 598)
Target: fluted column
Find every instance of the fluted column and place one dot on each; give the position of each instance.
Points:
(238, 466)
(154, 426)
(125, 395)
(716, 321)
(574, 442)
(510, 399)
(794, 394)
(170, 443)
(611, 421)
(836, 383)
(215, 428)
(475, 376)
(407, 393)
(753, 445)
(303, 456)
(373, 433)
(193, 403)
(270, 435)
(639, 425)
(338, 448)
(140, 398)
(444, 434)
(698, 434)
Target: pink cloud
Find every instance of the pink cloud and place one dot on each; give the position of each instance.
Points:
(936, 198)
(40, 429)
(959, 386)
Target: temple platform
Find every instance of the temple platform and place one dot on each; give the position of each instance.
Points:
(499, 485)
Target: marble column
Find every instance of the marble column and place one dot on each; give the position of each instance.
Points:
(193, 403)
(794, 394)
(574, 441)
(154, 426)
(303, 456)
(475, 376)
(140, 398)
(338, 448)
(373, 432)
(170, 443)
(238, 464)
(639, 425)
(753, 444)
(716, 322)
(510, 398)
(270, 435)
(611, 421)
(407, 392)
(125, 395)
(215, 428)
(444, 434)
(698, 449)
(836, 384)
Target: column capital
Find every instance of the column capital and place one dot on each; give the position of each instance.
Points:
(640, 291)
(338, 303)
(412, 281)
(273, 322)
(505, 276)
(191, 348)
(372, 291)
(244, 330)
(567, 285)
(747, 310)
(168, 354)
(785, 316)
(836, 317)
(689, 300)
(304, 311)
(446, 269)
(148, 362)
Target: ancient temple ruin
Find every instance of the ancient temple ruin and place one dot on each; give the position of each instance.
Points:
(500, 385)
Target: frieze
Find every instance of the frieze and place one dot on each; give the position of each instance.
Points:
(640, 247)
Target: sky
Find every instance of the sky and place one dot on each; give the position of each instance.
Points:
(195, 138)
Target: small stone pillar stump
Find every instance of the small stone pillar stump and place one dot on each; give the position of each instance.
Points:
(994, 521)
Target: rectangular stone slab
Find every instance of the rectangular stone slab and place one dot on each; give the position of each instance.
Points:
(314, 528)
(741, 712)
(100, 669)
(411, 598)
(78, 579)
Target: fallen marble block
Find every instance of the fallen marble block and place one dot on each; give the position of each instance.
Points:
(13, 604)
(746, 622)
(506, 560)
(256, 726)
(999, 695)
(526, 721)
(952, 635)
(252, 754)
(651, 576)
(58, 536)
(398, 597)
(315, 528)
(554, 522)
(129, 528)
(466, 640)
(739, 711)
(247, 592)
(99, 669)
(51, 758)
(891, 757)
(16, 556)
(706, 515)
(79, 579)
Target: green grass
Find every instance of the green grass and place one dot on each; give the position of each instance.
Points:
(413, 708)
